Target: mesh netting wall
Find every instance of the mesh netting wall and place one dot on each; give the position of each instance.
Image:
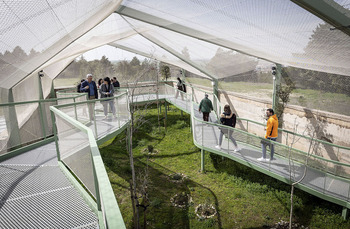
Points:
(279, 31)
(318, 90)
(33, 32)
(75, 152)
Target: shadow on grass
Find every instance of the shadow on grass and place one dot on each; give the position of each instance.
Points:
(161, 213)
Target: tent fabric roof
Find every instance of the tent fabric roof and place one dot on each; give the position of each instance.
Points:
(187, 33)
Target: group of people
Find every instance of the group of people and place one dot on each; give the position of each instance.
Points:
(228, 118)
(106, 87)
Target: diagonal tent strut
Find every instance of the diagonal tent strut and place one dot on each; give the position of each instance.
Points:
(329, 11)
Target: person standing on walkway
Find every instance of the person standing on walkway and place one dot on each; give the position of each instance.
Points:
(228, 118)
(90, 87)
(206, 107)
(107, 90)
(116, 83)
(271, 134)
(180, 87)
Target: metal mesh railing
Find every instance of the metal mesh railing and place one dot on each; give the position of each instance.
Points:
(23, 123)
(79, 152)
(103, 116)
(207, 135)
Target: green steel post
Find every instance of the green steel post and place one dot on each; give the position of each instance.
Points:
(276, 86)
(118, 112)
(52, 91)
(182, 114)
(202, 160)
(166, 114)
(94, 119)
(53, 118)
(12, 123)
(215, 92)
(97, 188)
(43, 117)
(75, 110)
(345, 213)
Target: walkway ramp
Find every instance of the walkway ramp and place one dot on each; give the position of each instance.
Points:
(35, 193)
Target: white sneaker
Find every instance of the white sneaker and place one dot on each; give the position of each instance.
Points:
(237, 149)
(218, 147)
(261, 159)
(267, 160)
(105, 117)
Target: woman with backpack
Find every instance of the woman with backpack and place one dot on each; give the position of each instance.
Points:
(107, 90)
(227, 118)
(180, 87)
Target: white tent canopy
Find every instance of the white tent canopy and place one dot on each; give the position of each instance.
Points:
(53, 33)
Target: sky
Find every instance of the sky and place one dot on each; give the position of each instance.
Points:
(112, 53)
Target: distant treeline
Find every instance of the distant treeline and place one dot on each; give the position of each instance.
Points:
(125, 71)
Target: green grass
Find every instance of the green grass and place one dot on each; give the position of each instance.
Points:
(312, 99)
(243, 197)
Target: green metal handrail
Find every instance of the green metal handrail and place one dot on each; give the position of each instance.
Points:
(282, 145)
(104, 192)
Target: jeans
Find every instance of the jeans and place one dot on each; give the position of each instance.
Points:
(105, 106)
(272, 148)
(229, 135)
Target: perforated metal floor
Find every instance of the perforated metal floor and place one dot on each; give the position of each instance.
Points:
(34, 193)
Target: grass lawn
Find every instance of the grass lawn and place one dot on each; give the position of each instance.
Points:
(312, 99)
(243, 197)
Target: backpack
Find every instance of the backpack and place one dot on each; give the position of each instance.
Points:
(183, 87)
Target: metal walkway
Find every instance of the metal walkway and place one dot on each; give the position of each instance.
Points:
(35, 193)
(316, 182)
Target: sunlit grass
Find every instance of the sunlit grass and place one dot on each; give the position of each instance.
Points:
(243, 197)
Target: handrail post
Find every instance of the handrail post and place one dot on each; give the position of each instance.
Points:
(42, 119)
(75, 110)
(94, 118)
(54, 127)
(202, 161)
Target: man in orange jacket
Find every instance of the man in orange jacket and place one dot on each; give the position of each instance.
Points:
(271, 134)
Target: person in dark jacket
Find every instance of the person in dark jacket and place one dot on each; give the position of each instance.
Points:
(180, 87)
(115, 83)
(90, 87)
(227, 118)
(206, 107)
(107, 90)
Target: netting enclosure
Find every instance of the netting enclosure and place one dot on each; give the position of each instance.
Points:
(228, 47)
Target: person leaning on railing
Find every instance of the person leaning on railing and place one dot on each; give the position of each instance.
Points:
(271, 134)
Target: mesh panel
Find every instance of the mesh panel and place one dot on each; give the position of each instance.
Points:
(43, 27)
(279, 31)
(318, 90)
(75, 152)
(27, 90)
(46, 84)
